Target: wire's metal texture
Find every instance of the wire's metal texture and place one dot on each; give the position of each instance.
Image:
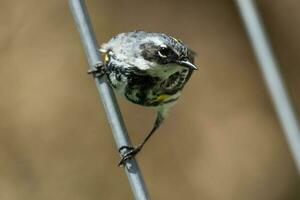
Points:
(270, 70)
(110, 105)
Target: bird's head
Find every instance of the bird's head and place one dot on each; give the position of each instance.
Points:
(150, 51)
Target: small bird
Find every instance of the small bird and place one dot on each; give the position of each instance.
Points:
(149, 69)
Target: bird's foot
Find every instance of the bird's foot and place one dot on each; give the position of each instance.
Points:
(129, 153)
(98, 70)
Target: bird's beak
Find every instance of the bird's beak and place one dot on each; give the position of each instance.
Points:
(187, 63)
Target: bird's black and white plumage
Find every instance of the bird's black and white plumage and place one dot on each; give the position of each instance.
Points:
(149, 69)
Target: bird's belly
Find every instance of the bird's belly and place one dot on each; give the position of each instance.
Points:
(148, 90)
(143, 90)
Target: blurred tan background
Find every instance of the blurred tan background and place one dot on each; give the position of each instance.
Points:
(222, 140)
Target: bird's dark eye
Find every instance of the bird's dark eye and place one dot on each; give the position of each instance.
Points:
(163, 52)
(166, 53)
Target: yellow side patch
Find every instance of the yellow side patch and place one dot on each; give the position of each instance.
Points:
(161, 98)
(106, 58)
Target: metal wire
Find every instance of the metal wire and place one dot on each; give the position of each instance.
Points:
(270, 70)
(110, 105)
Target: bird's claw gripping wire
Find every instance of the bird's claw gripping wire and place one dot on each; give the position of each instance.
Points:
(128, 154)
(98, 70)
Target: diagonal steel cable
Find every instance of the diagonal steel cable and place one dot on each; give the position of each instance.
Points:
(272, 76)
(113, 114)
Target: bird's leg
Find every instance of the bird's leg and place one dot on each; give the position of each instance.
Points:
(132, 151)
(98, 70)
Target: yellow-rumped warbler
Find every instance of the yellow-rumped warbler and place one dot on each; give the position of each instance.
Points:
(149, 69)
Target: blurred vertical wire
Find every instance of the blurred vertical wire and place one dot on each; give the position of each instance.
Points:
(270, 70)
(110, 105)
